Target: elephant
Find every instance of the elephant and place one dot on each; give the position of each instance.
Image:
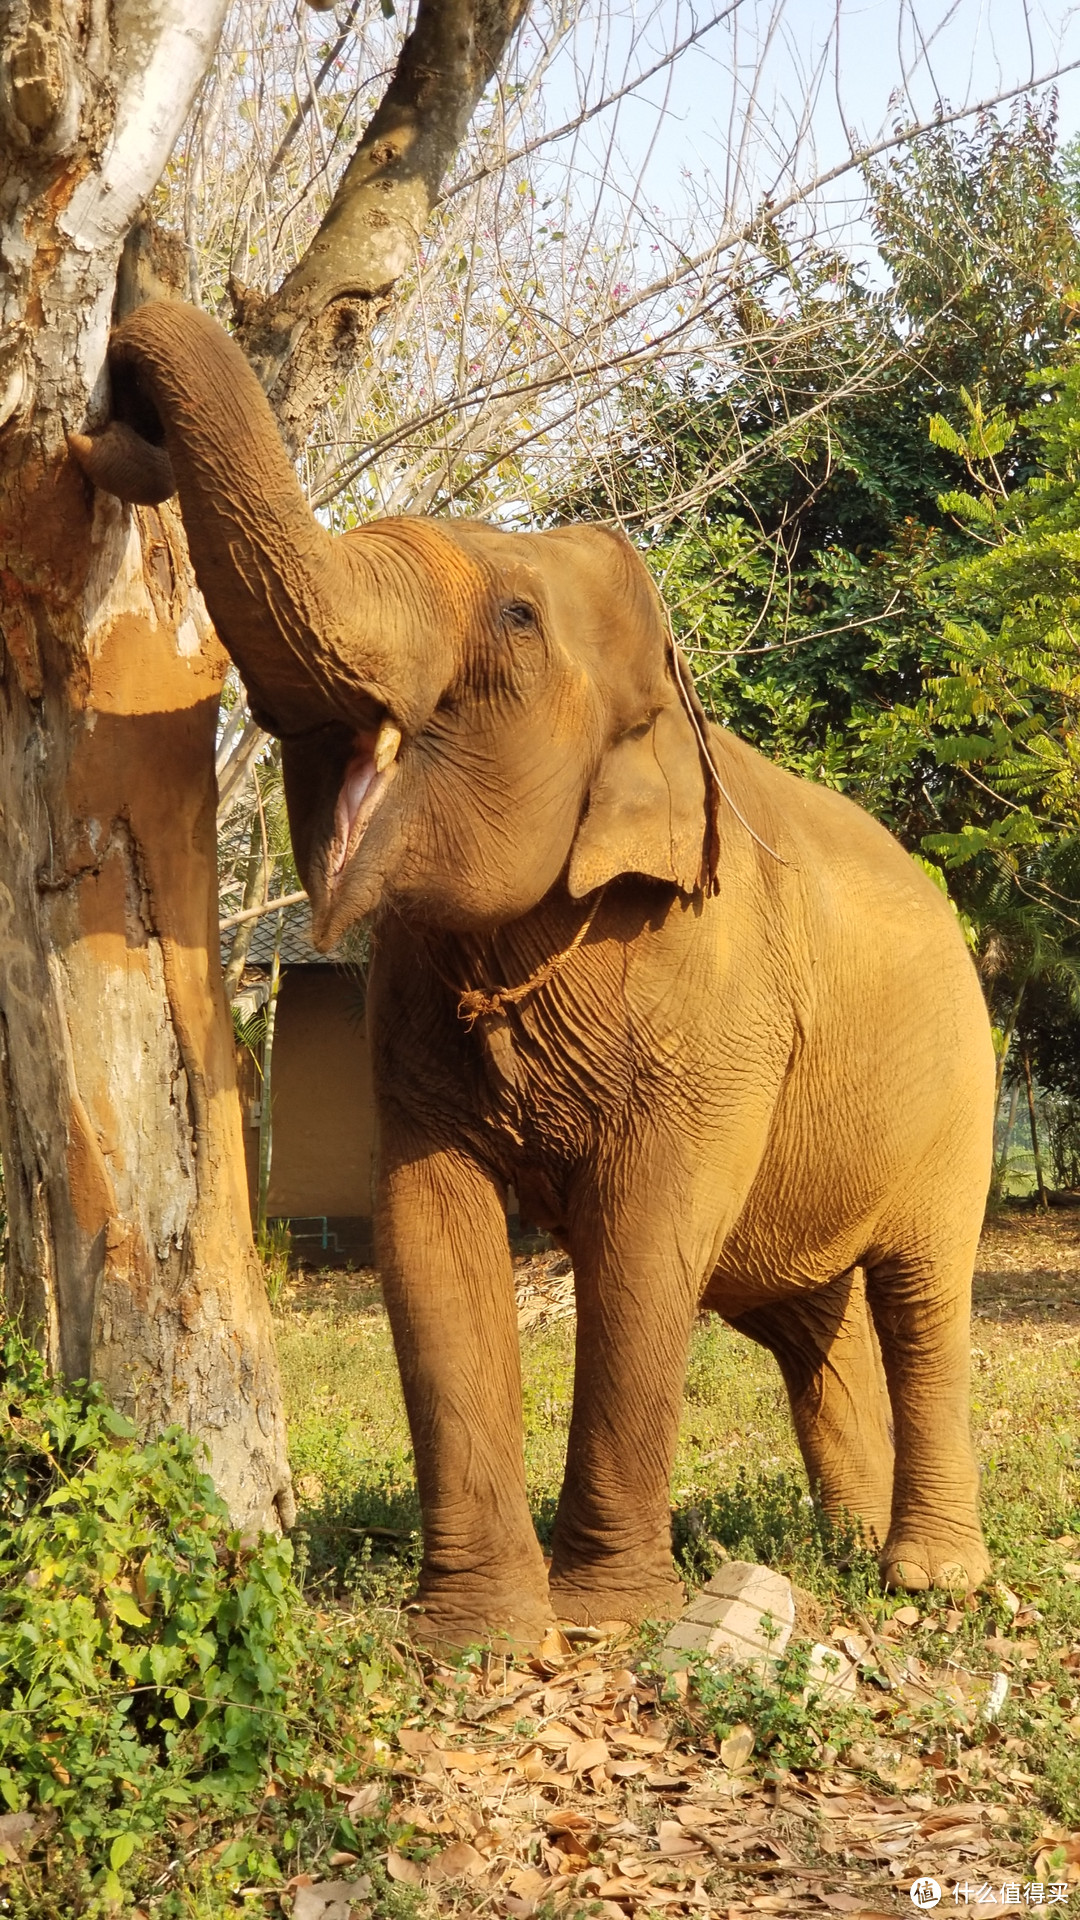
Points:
(712, 1023)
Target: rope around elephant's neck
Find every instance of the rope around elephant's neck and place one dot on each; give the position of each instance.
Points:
(475, 1002)
(702, 737)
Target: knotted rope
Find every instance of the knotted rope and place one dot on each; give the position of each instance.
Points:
(475, 1002)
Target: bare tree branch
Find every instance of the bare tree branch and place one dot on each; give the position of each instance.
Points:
(260, 913)
(333, 54)
(237, 760)
(370, 231)
(634, 85)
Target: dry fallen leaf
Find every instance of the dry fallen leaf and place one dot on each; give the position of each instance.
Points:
(329, 1899)
(16, 1827)
(620, 1888)
(569, 1852)
(458, 1861)
(735, 1751)
(17, 1830)
(905, 1774)
(673, 1839)
(1058, 1855)
(569, 1820)
(583, 1755)
(962, 1814)
(407, 1871)
(365, 1800)
(554, 1646)
(694, 1816)
(527, 1883)
(554, 1737)
(635, 1742)
(414, 1741)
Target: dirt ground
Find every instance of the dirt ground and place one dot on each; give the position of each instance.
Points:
(1029, 1265)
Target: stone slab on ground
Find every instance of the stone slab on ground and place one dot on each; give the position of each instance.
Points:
(831, 1674)
(745, 1611)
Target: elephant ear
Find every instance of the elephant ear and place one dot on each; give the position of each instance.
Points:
(652, 806)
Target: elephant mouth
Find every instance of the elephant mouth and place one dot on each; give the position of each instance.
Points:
(364, 785)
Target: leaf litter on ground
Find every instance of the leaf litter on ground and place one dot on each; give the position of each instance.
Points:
(577, 1782)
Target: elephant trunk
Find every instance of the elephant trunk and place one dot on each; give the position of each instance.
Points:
(313, 623)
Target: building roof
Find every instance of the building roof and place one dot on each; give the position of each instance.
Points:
(296, 947)
(353, 950)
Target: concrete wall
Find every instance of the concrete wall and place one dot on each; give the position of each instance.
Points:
(324, 1115)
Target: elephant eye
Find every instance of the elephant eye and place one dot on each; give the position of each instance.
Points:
(518, 613)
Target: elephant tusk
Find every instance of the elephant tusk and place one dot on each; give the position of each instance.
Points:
(386, 745)
(365, 781)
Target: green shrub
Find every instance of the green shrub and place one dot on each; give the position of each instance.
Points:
(149, 1660)
(770, 1518)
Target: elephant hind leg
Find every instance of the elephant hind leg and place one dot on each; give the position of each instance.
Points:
(921, 1305)
(824, 1344)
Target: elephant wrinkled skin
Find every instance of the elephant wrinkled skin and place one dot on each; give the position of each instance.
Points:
(718, 1030)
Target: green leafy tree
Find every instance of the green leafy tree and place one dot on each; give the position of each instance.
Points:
(802, 515)
(1001, 713)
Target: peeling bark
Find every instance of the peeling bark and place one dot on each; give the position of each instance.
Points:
(130, 1241)
(130, 1238)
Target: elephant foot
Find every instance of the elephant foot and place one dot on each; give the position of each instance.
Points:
(590, 1606)
(913, 1562)
(450, 1622)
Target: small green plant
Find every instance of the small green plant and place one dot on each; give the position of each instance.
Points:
(150, 1660)
(770, 1518)
(274, 1244)
(794, 1720)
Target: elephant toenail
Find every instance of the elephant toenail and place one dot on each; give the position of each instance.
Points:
(908, 1574)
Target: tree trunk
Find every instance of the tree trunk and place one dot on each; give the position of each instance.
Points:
(1035, 1148)
(130, 1241)
(129, 1231)
(266, 1094)
(1003, 1051)
(1001, 1163)
(256, 880)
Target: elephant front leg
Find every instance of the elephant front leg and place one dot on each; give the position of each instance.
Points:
(450, 1295)
(636, 1298)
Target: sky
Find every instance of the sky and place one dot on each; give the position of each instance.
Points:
(778, 91)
